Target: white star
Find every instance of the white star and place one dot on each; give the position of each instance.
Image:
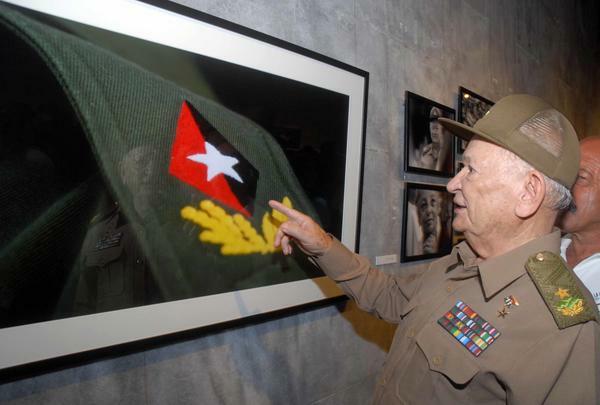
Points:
(216, 163)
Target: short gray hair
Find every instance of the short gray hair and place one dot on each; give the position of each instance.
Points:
(558, 197)
(547, 129)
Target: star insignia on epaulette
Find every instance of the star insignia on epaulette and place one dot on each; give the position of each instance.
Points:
(562, 293)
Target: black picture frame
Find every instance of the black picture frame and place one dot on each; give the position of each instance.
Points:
(471, 108)
(181, 28)
(423, 152)
(427, 208)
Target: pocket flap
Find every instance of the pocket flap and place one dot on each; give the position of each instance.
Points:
(100, 258)
(446, 355)
(410, 305)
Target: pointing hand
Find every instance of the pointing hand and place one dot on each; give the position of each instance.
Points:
(301, 229)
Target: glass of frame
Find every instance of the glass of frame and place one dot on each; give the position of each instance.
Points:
(302, 105)
(427, 222)
(428, 146)
(471, 108)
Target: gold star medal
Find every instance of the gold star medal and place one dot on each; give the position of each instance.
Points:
(503, 312)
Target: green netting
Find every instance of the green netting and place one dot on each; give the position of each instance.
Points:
(125, 110)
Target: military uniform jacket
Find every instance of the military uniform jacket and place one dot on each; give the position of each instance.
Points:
(525, 359)
(114, 273)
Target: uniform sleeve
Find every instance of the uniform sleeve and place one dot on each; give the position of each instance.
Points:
(562, 369)
(374, 291)
(579, 380)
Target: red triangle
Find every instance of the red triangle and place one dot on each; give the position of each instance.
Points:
(189, 140)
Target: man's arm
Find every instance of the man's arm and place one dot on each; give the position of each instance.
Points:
(579, 381)
(373, 290)
(564, 368)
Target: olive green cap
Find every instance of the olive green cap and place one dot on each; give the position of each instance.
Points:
(504, 123)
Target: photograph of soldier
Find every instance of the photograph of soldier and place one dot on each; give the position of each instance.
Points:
(427, 222)
(112, 271)
(429, 146)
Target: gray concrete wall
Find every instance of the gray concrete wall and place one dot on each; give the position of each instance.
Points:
(330, 355)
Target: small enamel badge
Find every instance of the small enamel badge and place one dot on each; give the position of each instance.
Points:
(510, 301)
(471, 330)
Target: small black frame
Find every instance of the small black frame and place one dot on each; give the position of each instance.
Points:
(471, 108)
(426, 151)
(427, 209)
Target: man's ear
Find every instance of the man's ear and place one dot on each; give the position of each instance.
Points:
(532, 194)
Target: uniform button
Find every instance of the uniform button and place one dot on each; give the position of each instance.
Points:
(383, 381)
(448, 288)
(540, 257)
(436, 360)
(139, 261)
(411, 333)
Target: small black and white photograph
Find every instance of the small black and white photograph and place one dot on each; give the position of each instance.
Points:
(471, 108)
(429, 146)
(427, 229)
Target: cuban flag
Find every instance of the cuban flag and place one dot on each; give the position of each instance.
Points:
(202, 158)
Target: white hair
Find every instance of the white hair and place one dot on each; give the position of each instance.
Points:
(558, 197)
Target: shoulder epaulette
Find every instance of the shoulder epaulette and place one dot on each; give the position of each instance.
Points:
(557, 286)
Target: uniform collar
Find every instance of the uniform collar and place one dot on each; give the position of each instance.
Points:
(465, 255)
(498, 272)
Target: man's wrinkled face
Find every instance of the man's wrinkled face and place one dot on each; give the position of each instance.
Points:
(429, 205)
(485, 191)
(586, 190)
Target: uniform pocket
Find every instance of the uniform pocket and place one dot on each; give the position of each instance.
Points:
(109, 267)
(446, 355)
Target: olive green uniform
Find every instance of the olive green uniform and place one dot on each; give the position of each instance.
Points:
(113, 269)
(530, 361)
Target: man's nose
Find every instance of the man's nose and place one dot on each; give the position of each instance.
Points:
(454, 184)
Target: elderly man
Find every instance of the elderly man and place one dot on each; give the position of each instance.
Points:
(424, 225)
(429, 207)
(501, 319)
(581, 247)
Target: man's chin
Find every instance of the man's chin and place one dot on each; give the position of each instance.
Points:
(458, 226)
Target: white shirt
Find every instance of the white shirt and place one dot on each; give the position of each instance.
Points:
(588, 270)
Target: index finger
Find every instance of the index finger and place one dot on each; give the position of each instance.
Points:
(287, 211)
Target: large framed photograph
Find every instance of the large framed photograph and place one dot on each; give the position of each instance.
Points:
(427, 222)
(471, 108)
(428, 145)
(139, 146)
